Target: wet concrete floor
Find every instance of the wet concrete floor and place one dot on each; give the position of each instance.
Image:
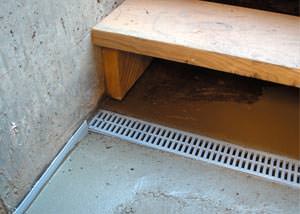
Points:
(240, 110)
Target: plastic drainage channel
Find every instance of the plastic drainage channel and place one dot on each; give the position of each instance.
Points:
(273, 167)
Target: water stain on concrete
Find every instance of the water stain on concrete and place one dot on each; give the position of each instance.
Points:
(179, 80)
(244, 111)
(3, 209)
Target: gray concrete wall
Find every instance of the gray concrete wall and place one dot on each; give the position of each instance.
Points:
(48, 84)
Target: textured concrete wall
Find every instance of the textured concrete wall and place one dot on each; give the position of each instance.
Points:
(48, 83)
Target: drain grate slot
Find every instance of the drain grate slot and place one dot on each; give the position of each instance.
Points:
(274, 167)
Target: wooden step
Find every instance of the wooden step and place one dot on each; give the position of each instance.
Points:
(243, 41)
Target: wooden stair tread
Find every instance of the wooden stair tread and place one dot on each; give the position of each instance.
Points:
(232, 39)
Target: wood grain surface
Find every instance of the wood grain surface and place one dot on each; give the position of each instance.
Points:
(121, 70)
(232, 39)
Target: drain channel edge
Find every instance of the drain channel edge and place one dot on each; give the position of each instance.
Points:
(273, 167)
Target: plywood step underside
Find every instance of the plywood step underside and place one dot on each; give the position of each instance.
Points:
(232, 39)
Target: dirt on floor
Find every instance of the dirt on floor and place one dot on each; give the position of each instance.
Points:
(3, 209)
(244, 111)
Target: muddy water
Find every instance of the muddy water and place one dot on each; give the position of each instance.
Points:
(243, 111)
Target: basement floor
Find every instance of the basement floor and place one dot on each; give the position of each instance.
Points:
(243, 111)
(107, 175)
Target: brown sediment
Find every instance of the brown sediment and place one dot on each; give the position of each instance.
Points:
(181, 83)
(244, 111)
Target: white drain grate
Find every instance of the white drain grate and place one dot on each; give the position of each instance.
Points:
(276, 168)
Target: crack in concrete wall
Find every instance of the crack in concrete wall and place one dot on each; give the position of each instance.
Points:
(48, 84)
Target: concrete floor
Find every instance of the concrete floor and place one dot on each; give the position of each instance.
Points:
(107, 175)
(243, 111)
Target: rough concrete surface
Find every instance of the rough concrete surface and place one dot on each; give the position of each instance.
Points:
(48, 83)
(107, 175)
